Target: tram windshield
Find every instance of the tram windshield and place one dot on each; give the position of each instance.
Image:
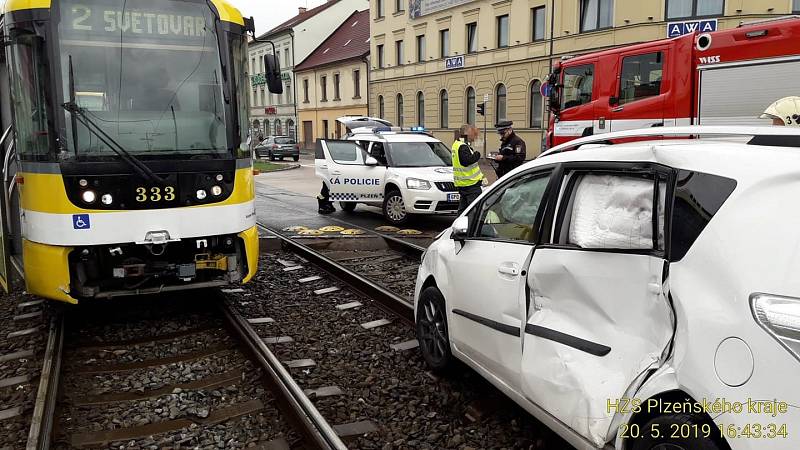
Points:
(147, 72)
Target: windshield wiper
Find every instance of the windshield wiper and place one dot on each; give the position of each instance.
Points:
(138, 166)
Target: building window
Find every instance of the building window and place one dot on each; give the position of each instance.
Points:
(472, 37)
(323, 83)
(420, 109)
(398, 51)
(286, 57)
(357, 83)
(470, 115)
(681, 9)
(796, 6)
(444, 43)
(336, 87)
(596, 14)
(290, 128)
(536, 106)
(640, 77)
(278, 129)
(500, 109)
(502, 31)
(380, 56)
(325, 129)
(421, 48)
(305, 90)
(288, 94)
(267, 130)
(261, 63)
(399, 110)
(263, 97)
(398, 5)
(444, 106)
(379, 11)
(537, 23)
(253, 66)
(381, 107)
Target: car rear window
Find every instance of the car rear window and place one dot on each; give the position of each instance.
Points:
(698, 197)
(282, 140)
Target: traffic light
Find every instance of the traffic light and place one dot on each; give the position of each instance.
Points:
(482, 109)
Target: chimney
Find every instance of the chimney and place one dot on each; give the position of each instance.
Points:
(302, 10)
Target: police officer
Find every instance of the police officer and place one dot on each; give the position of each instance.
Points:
(466, 171)
(512, 149)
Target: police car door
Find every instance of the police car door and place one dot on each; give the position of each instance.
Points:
(345, 172)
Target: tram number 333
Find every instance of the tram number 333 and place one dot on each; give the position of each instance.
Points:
(155, 194)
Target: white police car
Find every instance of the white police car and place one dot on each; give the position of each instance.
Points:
(402, 171)
(637, 296)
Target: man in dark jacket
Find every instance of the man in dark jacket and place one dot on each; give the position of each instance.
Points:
(512, 149)
(466, 172)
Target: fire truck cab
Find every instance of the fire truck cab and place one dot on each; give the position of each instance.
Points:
(726, 77)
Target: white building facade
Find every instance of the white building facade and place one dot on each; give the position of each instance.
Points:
(294, 40)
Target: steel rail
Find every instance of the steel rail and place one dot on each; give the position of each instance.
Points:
(389, 300)
(305, 413)
(41, 430)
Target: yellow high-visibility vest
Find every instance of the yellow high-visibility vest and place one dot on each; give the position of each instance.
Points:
(464, 176)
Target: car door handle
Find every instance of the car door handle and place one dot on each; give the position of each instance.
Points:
(509, 269)
(336, 172)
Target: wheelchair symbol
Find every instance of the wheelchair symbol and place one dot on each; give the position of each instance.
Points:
(81, 222)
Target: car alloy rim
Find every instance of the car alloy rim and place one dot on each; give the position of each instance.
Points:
(433, 331)
(395, 208)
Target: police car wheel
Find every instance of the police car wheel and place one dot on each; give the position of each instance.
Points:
(432, 330)
(296, 158)
(672, 432)
(394, 209)
(348, 206)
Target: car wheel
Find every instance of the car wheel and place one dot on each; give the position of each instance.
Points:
(348, 206)
(660, 434)
(394, 209)
(271, 156)
(432, 330)
(296, 158)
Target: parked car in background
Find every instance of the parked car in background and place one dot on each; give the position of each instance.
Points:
(278, 147)
(640, 295)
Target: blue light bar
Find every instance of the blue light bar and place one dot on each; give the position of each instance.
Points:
(418, 129)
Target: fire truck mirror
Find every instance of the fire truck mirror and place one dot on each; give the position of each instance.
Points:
(613, 100)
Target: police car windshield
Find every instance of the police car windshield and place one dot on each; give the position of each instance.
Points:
(419, 154)
(147, 72)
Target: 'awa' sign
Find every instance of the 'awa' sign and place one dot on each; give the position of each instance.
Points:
(455, 62)
(675, 29)
(419, 8)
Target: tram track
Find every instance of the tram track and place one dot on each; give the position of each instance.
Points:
(209, 381)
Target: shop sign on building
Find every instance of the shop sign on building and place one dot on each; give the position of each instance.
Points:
(675, 29)
(419, 8)
(454, 62)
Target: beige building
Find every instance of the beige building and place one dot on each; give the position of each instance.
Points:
(332, 81)
(434, 60)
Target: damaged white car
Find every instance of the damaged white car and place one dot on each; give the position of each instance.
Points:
(641, 295)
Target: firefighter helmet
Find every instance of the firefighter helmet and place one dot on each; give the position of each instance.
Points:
(786, 109)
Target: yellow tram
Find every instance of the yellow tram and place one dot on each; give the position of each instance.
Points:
(126, 163)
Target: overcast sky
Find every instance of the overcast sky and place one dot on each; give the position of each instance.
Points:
(269, 13)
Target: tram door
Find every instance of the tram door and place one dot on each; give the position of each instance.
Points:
(9, 202)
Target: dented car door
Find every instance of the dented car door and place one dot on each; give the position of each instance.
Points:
(599, 316)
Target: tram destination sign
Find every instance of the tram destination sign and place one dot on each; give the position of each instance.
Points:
(167, 21)
(419, 8)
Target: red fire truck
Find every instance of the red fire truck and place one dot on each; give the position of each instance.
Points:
(724, 77)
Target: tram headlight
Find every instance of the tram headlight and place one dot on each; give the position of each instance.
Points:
(201, 194)
(83, 182)
(89, 196)
(216, 191)
(107, 199)
(220, 177)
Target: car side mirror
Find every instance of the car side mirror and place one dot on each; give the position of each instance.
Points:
(460, 229)
(370, 161)
(273, 75)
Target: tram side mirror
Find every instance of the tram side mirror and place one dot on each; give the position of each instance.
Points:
(273, 75)
(459, 229)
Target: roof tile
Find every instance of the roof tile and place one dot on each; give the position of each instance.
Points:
(350, 40)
